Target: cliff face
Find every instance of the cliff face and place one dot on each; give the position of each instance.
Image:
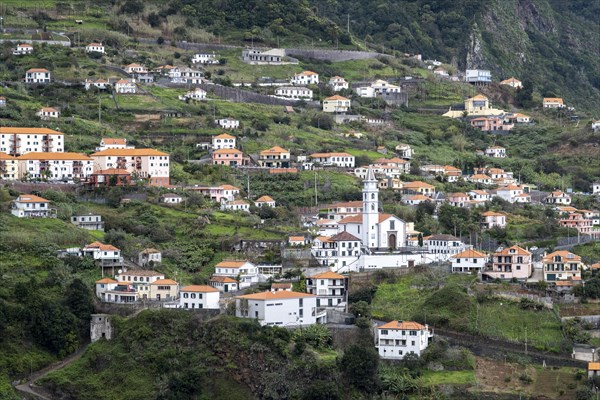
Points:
(553, 43)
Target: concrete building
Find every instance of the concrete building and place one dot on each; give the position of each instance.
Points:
(19, 141)
(281, 308)
(196, 297)
(396, 339)
(331, 289)
(90, 222)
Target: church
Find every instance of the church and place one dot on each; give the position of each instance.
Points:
(366, 240)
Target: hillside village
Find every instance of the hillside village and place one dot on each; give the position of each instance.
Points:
(382, 191)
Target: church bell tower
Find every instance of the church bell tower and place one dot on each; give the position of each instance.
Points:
(370, 216)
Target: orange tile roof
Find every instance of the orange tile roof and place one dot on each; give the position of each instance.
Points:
(199, 288)
(238, 202)
(417, 197)
(346, 204)
(24, 45)
(114, 140)
(479, 97)
(283, 171)
(37, 70)
(227, 151)
(480, 176)
(264, 199)
(296, 239)
(275, 295)
(141, 272)
(129, 152)
(28, 131)
(224, 136)
(595, 266)
(594, 366)
(324, 239)
(351, 219)
(95, 44)
(336, 97)
(404, 325)
(107, 280)
(492, 214)
(563, 283)
(229, 187)
(281, 285)
(164, 282)
(417, 184)
(553, 100)
(54, 156)
(31, 198)
(230, 264)
(518, 250)
(327, 275)
(306, 73)
(457, 195)
(48, 109)
(470, 253)
(562, 253)
(274, 150)
(4, 156)
(223, 279)
(101, 246)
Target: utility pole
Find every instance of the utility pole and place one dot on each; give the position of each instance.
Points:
(99, 108)
(348, 24)
(316, 193)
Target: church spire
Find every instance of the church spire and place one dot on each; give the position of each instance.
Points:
(370, 175)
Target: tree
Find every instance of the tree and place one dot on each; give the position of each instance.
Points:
(361, 309)
(359, 365)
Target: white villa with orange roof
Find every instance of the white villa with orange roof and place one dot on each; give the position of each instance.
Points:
(223, 284)
(458, 199)
(223, 141)
(32, 206)
(396, 339)
(195, 94)
(46, 113)
(478, 196)
(468, 261)
(228, 123)
(38, 75)
(106, 254)
(305, 78)
(198, 297)
(553, 102)
(135, 68)
(418, 187)
(244, 271)
(512, 82)
(414, 199)
(144, 163)
(342, 160)
(21, 49)
(562, 265)
(9, 167)
(336, 104)
(64, 166)
(281, 308)
(296, 240)
(558, 197)
(338, 83)
(113, 143)
(275, 157)
(218, 193)
(480, 178)
(94, 48)
(101, 84)
(331, 289)
(513, 194)
(493, 219)
(264, 201)
(377, 88)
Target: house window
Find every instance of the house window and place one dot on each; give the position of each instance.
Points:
(384, 331)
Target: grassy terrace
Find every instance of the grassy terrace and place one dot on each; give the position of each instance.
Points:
(412, 298)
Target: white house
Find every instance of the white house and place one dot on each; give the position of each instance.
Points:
(106, 254)
(196, 297)
(65, 166)
(478, 76)
(281, 308)
(305, 78)
(223, 141)
(126, 86)
(404, 151)
(396, 339)
(94, 48)
(48, 112)
(149, 255)
(89, 222)
(145, 163)
(442, 247)
(18, 141)
(265, 201)
(244, 271)
(336, 104)
(196, 94)
(338, 83)
(331, 289)
(205, 58)
(101, 84)
(377, 88)
(496, 152)
(342, 160)
(31, 206)
(513, 194)
(558, 197)
(494, 219)
(223, 283)
(512, 82)
(22, 49)
(596, 125)
(113, 143)
(479, 196)
(37, 75)
(228, 123)
(441, 72)
(339, 252)
(140, 281)
(135, 68)
(553, 102)
(171, 198)
(414, 199)
(596, 187)
(468, 261)
(236, 205)
(103, 286)
(294, 92)
(185, 75)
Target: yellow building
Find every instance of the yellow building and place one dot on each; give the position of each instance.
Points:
(336, 104)
(9, 167)
(477, 106)
(164, 289)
